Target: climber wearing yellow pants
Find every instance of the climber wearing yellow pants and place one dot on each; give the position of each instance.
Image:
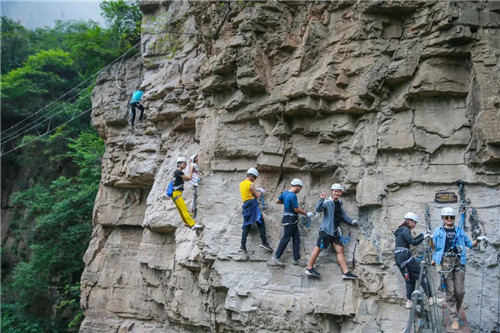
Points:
(178, 182)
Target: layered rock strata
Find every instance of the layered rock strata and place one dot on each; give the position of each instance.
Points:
(397, 100)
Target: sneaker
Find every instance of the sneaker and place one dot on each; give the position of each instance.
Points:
(266, 247)
(312, 272)
(278, 261)
(455, 325)
(242, 249)
(299, 262)
(349, 276)
(409, 304)
(197, 226)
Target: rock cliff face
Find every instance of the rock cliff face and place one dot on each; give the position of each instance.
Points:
(396, 100)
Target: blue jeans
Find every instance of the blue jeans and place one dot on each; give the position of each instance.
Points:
(290, 231)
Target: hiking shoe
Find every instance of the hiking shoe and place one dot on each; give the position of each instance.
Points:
(455, 325)
(409, 304)
(312, 272)
(299, 262)
(349, 276)
(242, 249)
(197, 226)
(278, 261)
(266, 247)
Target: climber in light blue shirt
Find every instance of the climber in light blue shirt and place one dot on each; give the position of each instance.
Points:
(135, 103)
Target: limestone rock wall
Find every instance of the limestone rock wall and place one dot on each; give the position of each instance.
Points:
(394, 99)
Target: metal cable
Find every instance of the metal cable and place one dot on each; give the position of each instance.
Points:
(91, 77)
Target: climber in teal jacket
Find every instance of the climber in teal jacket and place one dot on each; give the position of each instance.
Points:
(135, 103)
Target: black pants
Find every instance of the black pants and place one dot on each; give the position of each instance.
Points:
(413, 267)
(246, 230)
(290, 231)
(132, 108)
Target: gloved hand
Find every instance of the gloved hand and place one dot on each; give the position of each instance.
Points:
(261, 190)
(482, 238)
(354, 223)
(310, 214)
(427, 235)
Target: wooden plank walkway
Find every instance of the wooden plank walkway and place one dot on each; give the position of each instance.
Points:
(462, 320)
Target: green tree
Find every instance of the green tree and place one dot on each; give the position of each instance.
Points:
(125, 18)
(43, 76)
(59, 173)
(16, 44)
(58, 222)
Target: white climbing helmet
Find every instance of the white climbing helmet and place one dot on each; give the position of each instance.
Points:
(448, 211)
(253, 171)
(181, 159)
(411, 216)
(297, 182)
(193, 157)
(337, 187)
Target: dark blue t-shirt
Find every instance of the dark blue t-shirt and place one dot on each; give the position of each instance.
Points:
(290, 202)
(450, 237)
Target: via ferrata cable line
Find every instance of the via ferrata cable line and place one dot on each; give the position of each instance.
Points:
(16, 130)
(49, 131)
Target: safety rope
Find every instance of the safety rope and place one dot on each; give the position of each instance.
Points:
(462, 212)
(155, 132)
(434, 310)
(47, 117)
(61, 97)
(482, 286)
(305, 221)
(44, 134)
(34, 124)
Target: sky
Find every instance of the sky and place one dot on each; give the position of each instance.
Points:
(41, 13)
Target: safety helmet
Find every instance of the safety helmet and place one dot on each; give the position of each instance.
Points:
(253, 171)
(193, 157)
(181, 159)
(297, 182)
(448, 211)
(337, 187)
(411, 216)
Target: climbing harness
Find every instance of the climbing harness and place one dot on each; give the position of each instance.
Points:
(344, 239)
(474, 222)
(482, 286)
(305, 221)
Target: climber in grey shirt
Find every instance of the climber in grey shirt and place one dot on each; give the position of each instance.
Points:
(333, 213)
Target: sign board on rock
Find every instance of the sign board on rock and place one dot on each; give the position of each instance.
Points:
(445, 197)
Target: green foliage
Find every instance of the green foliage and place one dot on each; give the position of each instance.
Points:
(15, 321)
(44, 75)
(52, 221)
(125, 18)
(58, 222)
(16, 44)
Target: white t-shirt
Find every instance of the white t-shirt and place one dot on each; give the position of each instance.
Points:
(195, 178)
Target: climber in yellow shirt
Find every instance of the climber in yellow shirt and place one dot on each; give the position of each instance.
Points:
(251, 210)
